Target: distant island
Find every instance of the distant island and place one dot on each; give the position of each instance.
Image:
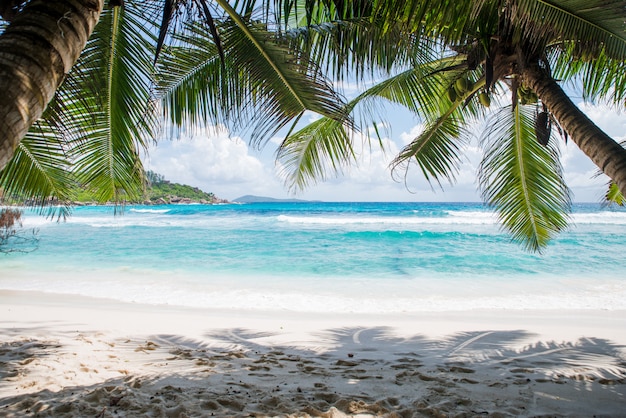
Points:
(160, 191)
(263, 199)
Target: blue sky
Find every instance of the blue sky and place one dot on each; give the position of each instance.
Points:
(226, 165)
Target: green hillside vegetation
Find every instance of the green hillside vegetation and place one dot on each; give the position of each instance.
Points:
(168, 190)
(158, 191)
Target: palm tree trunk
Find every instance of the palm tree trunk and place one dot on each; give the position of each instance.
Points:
(36, 51)
(605, 153)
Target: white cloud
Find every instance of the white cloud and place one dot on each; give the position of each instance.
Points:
(212, 161)
(351, 89)
(610, 120)
(407, 137)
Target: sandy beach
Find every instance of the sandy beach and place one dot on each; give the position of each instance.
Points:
(63, 356)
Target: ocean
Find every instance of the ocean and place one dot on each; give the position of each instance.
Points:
(323, 257)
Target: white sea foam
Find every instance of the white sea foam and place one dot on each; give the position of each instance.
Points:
(604, 217)
(149, 210)
(154, 220)
(453, 218)
(37, 221)
(151, 217)
(162, 219)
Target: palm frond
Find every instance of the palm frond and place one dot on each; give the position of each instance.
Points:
(299, 13)
(445, 19)
(613, 195)
(592, 24)
(192, 84)
(311, 154)
(282, 84)
(437, 149)
(522, 179)
(361, 48)
(39, 172)
(601, 78)
(107, 96)
(420, 88)
(326, 144)
(263, 84)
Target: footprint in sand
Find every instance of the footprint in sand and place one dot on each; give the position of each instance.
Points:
(148, 346)
(460, 369)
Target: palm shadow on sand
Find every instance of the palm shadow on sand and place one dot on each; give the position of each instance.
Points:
(236, 372)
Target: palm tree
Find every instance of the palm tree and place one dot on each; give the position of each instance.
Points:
(29, 76)
(446, 61)
(516, 45)
(96, 122)
(103, 113)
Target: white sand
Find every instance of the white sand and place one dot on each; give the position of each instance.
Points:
(66, 356)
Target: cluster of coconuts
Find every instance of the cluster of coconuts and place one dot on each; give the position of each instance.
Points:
(526, 96)
(464, 85)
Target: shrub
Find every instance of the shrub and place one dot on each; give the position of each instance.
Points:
(12, 238)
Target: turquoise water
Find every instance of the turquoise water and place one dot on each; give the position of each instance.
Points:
(338, 257)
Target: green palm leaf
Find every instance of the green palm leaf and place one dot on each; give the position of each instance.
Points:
(191, 81)
(613, 195)
(262, 82)
(420, 87)
(325, 145)
(39, 170)
(282, 84)
(361, 48)
(107, 96)
(437, 150)
(593, 24)
(601, 78)
(307, 156)
(442, 18)
(522, 179)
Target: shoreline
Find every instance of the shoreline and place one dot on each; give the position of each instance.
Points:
(67, 355)
(610, 323)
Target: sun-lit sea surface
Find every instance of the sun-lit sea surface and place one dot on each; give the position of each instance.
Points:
(323, 257)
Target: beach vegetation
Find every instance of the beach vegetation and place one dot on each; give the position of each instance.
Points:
(153, 178)
(13, 237)
(158, 189)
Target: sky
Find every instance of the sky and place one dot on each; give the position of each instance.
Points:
(223, 163)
